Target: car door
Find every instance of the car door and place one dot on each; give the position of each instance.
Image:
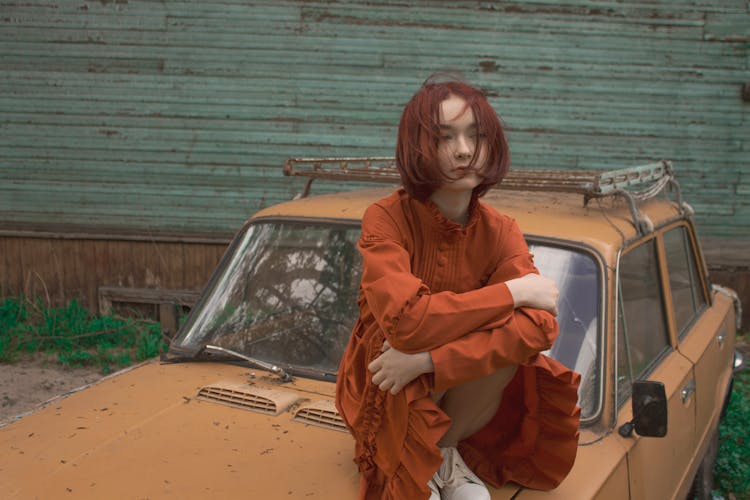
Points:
(704, 329)
(656, 466)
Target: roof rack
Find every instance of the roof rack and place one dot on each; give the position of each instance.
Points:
(651, 179)
(375, 169)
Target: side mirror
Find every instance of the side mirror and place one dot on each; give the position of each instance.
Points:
(649, 410)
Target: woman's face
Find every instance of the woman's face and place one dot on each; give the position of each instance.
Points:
(459, 142)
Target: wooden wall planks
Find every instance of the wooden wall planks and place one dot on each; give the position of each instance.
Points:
(58, 270)
(175, 117)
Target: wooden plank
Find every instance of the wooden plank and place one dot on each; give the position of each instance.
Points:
(148, 295)
(13, 282)
(6, 283)
(727, 27)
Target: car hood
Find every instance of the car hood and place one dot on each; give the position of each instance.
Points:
(145, 433)
(185, 430)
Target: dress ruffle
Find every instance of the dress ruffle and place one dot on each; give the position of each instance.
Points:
(420, 456)
(530, 439)
(396, 436)
(446, 224)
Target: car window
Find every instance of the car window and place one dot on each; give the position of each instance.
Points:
(684, 281)
(642, 329)
(578, 279)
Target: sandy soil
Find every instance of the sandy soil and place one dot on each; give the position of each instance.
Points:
(34, 380)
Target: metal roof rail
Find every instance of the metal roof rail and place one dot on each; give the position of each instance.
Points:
(651, 179)
(375, 169)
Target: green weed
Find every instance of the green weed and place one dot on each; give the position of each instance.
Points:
(732, 471)
(77, 337)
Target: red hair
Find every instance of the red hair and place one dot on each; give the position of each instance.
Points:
(419, 133)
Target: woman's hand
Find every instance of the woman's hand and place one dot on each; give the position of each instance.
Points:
(393, 369)
(534, 291)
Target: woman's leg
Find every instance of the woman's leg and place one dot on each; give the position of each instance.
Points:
(473, 404)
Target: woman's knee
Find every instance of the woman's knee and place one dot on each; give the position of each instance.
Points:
(480, 393)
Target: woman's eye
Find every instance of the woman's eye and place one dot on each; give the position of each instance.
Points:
(446, 137)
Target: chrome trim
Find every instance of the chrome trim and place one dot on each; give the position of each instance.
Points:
(735, 298)
(600, 261)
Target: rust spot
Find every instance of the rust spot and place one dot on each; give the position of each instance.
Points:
(488, 66)
(489, 92)
(746, 92)
(357, 21)
(108, 133)
(286, 119)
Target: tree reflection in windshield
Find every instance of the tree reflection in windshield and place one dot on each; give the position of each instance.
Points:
(288, 296)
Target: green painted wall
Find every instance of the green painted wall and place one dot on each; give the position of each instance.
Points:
(147, 116)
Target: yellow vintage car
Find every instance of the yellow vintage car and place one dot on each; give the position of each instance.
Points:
(242, 404)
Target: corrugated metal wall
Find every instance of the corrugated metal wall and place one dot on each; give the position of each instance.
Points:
(145, 116)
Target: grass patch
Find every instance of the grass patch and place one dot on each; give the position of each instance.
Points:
(732, 470)
(74, 335)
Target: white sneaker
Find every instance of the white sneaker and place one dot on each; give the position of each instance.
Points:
(434, 488)
(458, 481)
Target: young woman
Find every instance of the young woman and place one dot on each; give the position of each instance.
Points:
(443, 367)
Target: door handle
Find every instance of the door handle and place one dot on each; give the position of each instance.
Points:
(688, 391)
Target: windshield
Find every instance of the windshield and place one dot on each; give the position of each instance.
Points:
(287, 295)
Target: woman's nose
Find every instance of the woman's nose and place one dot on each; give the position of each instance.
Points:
(464, 146)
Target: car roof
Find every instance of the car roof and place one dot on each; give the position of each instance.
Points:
(604, 224)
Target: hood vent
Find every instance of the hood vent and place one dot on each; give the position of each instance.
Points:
(320, 413)
(248, 397)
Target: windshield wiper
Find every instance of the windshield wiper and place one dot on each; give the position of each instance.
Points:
(283, 375)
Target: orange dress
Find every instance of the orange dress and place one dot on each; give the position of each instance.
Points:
(429, 284)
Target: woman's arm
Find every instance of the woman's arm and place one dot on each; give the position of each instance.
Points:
(475, 355)
(412, 318)
(528, 330)
(531, 329)
(481, 353)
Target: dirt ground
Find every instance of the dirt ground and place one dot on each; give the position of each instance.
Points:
(34, 380)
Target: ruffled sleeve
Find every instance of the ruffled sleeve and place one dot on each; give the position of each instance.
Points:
(412, 318)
